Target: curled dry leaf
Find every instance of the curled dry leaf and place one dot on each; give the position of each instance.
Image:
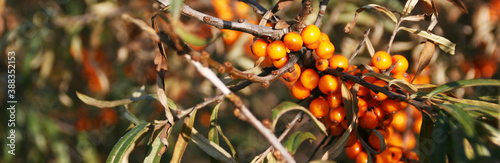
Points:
(425, 57)
(378, 8)
(281, 25)
(443, 43)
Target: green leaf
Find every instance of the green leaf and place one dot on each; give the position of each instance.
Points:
(184, 137)
(294, 140)
(403, 84)
(464, 83)
(210, 148)
(126, 144)
(109, 104)
(469, 102)
(153, 155)
(492, 134)
(213, 135)
(367, 147)
(456, 146)
(438, 142)
(175, 8)
(462, 117)
(287, 106)
(443, 43)
(189, 37)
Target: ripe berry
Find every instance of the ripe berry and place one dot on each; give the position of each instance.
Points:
(362, 106)
(318, 107)
(390, 106)
(325, 50)
(321, 64)
(310, 34)
(293, 41)
(339, 61)
(328, 84)
(362, 157)
(379, 96)
(412, 156)
(395, 153)
(309, 79)
(400, 64)
(276, 50)
(405, 76)
(369, 120)
(374, 141)
(409, 141)
(299, 91)
(334, 99)
(324, 37)
(259, 48)
(313, 45)
(382, 60)
(352, 139)
(337, 114)
(336, 129)
(400, 121)
(280, 62)
(294, 75)
(353, 151)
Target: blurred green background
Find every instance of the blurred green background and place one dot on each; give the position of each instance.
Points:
(64, 46)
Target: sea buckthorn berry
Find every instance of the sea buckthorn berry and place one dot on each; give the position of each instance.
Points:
(337, 114)
(400, 121)
(280, 62)
(390, 106)
(405, 76)
(379, 112)
(312, 45)
(328, 84)
(325, 50)
(374, 141)
(319, 107)
(310, 34)
(229, 36)
(294, 75)
(293, 41)
(334, 99)
(412, 156)
(299, 91)
(417, 124)
(387, 120)
(379, 96)
(352, 139)
(400, 64)
(276, 50)
(336, 130)
(370, 79)
(352, 70)
(363, 91)
(395, 153)
(339, 61)
(321, 64)
(382, 60)
(344, 124)
(395, 140)
(362, 157)
(409, 141)
(324, 37)
(353, 151)
(259, 48)
(362, 106)
(309, 79)
(369, 120)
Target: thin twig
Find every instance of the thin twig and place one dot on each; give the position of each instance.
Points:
(321, 13)
(396, 29)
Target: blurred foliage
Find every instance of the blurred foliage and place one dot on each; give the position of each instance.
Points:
(65, 46)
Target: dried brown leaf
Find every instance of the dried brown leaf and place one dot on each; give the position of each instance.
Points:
(425, 57)
(282, 4)
(460, 5)
(160, 62)
(281, 25)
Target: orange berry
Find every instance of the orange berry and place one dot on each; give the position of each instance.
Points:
(325, 50)
(309, 79)
(395, 140)
(259, 48)
(280, 62)
(319, 107)
(310, 34)
(344, 124)
(374, 141)
(242, 9)
(369, 120)
(334, 99)
(405, 76)
(293, 41)
(299, 91)
(417, 124)
(379, 112)
(336, 130)
(229, 36)
(379, 96)
(294, 75)
(400, 64)
(321, 64)
(382, 60)
(363, 91)
(390, 106)
(412, 156)
(362, 106)
(352, 139)
(362, 157)
(409, 141)
(337, 114)
(400, 121)
(395, 153)
(312, 45)
(328, 84)
(339, 61)
(353, 151)
(370, 79)
(324, 37)
(276, 50)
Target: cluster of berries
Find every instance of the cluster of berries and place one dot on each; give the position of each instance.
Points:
(376, 111)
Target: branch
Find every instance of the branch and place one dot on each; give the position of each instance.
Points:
(321, 13)
(244, 26)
